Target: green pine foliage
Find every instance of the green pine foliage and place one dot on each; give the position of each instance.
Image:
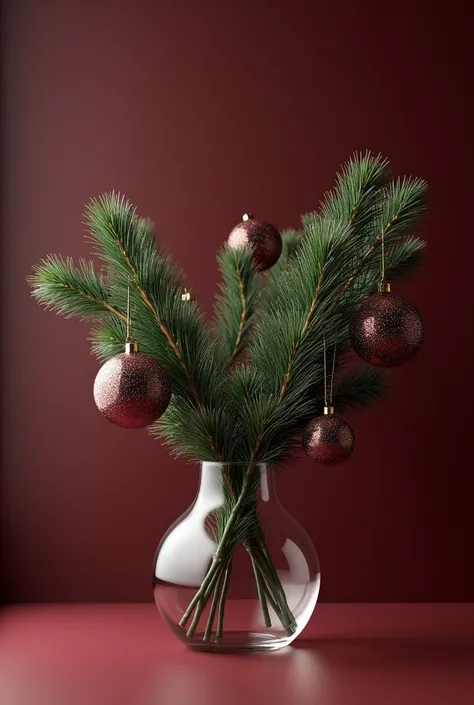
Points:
(236, 302)
(173, 330)
(358, 389)
(291, 242)
(69, 290)
(226, 406)
(322, 286)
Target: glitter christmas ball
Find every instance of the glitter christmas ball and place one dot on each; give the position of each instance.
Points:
(132, 390)
(387, 330)
(262, 237)
(328, 440)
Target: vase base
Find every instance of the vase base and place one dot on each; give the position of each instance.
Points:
(240, 642)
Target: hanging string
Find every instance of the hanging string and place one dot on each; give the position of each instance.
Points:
(128, 314)
(332, 372)
(333, 369)
(382, 254)
(325, 376)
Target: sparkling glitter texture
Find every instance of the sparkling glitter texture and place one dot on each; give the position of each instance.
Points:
(387, 330)
(132, 390)
(263, 238)
(328, 440)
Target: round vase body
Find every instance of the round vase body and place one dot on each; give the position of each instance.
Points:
(262, 587)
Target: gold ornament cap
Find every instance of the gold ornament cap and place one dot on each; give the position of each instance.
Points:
(186, 296)
(384, 287)
(247, 216)
(131, 346)
(328, 410)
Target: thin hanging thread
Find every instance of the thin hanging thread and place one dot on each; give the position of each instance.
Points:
(331, 386)
(382, 251)
(128, 313)
(325, 376)
(332, 371)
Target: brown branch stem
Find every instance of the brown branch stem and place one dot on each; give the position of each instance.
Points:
(105, 304)
(286, 379)
(162, 326)
(170, 340)
(243, 317)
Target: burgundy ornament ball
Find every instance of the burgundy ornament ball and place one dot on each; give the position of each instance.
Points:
(328, 439)
(387, 330)
(132, 390)
(262, 237)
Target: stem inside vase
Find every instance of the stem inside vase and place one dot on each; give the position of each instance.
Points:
(215, 585)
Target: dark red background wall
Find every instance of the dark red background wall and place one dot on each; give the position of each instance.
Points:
(199, 111)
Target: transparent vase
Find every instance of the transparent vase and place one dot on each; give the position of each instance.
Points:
(236, 572)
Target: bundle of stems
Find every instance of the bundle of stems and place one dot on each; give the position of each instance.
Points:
(246, 382)
(241, 526)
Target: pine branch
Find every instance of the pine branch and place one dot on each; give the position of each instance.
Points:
(359, 389)
(291, 242)
(403, 202)
(255, 412)
(269, 418)
(353, 197)
(166, 327)
(195, 433)
(401, 258)
(244, 384)
(288, 344)
(127, 244)
(237, 301)
(107, 339)
(71, 291)
(174, 329)
(243, 293)
(353, 202)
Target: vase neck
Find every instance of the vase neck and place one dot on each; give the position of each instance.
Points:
(219, 478)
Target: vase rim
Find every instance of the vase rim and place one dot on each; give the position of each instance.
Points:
(219, 464)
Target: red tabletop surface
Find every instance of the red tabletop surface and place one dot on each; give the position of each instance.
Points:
(357, 654)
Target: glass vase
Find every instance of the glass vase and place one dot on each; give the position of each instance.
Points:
(236, 572)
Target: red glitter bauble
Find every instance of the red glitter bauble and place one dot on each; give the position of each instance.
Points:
(387, 330)
(132, 390)
(328, 440)
(262, 237)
